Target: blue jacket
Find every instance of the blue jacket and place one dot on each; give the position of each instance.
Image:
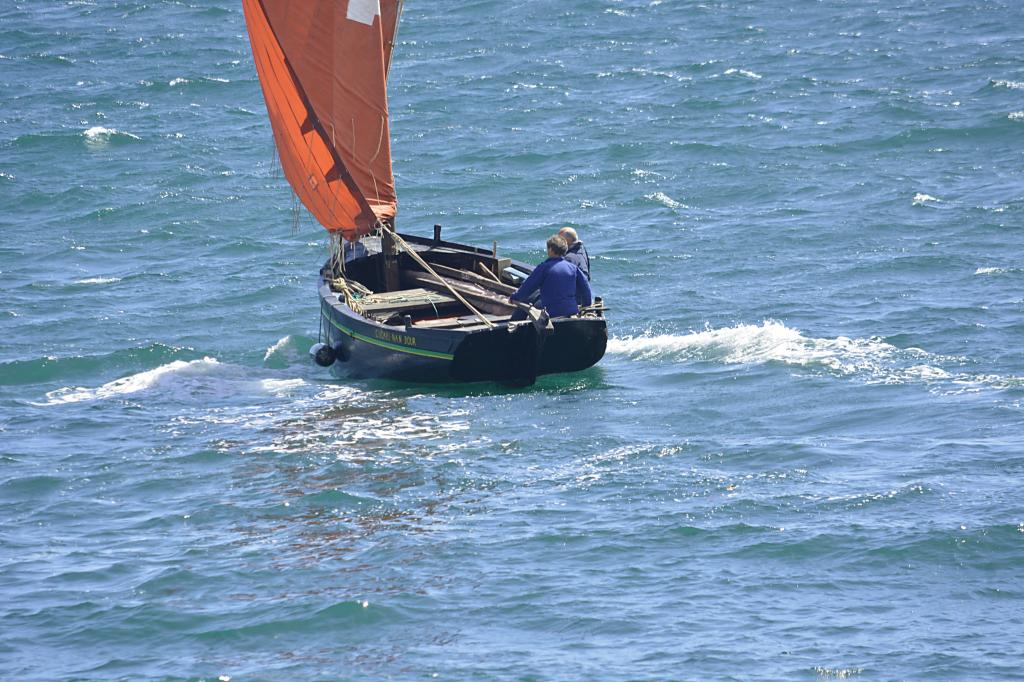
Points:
(578, 256)
(560, 283)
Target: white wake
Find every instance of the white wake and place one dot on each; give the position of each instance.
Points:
(188, 381)
(773, 342)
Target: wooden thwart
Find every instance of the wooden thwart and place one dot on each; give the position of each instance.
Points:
(457, 322)
(404, 299)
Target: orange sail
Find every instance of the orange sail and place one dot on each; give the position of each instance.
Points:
(323, 67)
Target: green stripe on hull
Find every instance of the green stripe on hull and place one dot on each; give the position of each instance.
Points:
(384, 344)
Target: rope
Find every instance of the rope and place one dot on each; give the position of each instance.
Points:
(350, 299)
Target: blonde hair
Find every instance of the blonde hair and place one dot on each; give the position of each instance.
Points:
(557, 245)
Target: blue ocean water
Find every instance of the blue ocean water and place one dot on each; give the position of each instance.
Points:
(800, 459)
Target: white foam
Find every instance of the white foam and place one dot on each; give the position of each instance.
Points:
(989, 271)
(281, 386)
(278, 347)
(342, 422)
(98, 280)
(1016, 116)
(178, 81)
(741, 344)
(662, 74)
(871, 360)
(133, 383)
(665, 200)
(98, 131)
(743, 72)
(286, 352)
(772, 341)
(101, 134)
(926, 373)
(205, 382)
(1012, 85)
(921, 199)
(837, 673)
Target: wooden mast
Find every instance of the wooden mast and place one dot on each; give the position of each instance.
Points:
(389, 253)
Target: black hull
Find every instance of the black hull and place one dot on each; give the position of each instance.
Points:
(425, 347)
(367, 349)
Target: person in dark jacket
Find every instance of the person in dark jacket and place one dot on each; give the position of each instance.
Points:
(577, 253)
(561, 283)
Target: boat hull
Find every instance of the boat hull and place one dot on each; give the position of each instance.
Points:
(515, 353)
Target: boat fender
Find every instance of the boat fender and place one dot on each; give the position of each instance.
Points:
(322, 354)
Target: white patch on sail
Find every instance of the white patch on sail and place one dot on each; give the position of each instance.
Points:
(363, 11)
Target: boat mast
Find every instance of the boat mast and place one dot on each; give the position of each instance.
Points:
(389, 256)
(389, 246)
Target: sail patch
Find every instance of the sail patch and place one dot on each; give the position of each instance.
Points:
(363, 11)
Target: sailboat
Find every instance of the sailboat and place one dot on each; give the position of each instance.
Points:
(392, 305)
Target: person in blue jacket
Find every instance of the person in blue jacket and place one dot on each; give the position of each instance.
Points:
(561, 283)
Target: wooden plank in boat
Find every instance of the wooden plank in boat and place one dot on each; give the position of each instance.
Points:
(405, 299)
(474, 278)
(452, 322)
(473, 292)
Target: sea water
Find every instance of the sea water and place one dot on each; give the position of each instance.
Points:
(801, 458)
